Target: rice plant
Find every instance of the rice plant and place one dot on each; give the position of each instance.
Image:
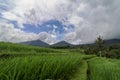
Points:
(39, 67)
(104, 69)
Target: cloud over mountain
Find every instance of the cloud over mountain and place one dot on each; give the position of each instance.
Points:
(88, 18)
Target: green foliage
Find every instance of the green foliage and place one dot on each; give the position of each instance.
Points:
(100, 46)
(114, 46)
(81, 72)
(104, 69)
(20, 62)
(18, 48)
(97, 49)
(115, 53)
(39, 67)
(90, 50)
(99, 43)
(61, 47)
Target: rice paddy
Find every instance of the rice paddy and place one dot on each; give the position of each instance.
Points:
(20, 62)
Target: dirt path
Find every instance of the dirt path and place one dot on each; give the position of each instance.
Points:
(88, 71)
(83, 72)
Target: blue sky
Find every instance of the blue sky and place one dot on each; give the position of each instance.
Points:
(77, 21)
(48, 26)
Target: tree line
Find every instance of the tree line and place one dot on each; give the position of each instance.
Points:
(102, 50)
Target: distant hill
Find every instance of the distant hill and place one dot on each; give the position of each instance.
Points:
(112, 41)
(107, 42)
(65, 44)
(36, 43)
(62, 44)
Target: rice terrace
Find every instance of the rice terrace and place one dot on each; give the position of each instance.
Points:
(59, 39)
(23, 62)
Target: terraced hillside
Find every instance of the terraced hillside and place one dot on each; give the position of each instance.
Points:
(20, 62)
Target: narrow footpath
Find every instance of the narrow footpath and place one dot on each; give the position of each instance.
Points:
(83, 72)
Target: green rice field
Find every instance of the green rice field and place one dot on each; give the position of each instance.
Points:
(21, 62)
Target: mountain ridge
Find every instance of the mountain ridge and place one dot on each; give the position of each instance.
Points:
(62, 44)
(65, 43)
(36, 43)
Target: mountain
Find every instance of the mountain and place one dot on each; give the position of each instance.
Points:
(65, 44)
(112, 41)
(62, 44)
(36, 43)
(107, 42)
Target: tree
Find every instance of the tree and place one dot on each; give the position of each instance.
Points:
(100, 45)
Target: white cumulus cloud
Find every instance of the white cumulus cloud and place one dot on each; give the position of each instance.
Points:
(90, 18)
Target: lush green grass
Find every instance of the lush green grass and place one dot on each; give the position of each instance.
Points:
(104, 69)
(35, 63)
(9, 48)
(39, 67)
(81, 73)
(14, 50)
(20, 62)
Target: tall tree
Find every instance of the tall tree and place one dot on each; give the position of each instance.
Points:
(100, 45)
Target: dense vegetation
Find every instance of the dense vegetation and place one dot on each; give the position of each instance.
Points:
(21, 62)
(104, 69)
(10, 49)
(39, 67)
(103, 50)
